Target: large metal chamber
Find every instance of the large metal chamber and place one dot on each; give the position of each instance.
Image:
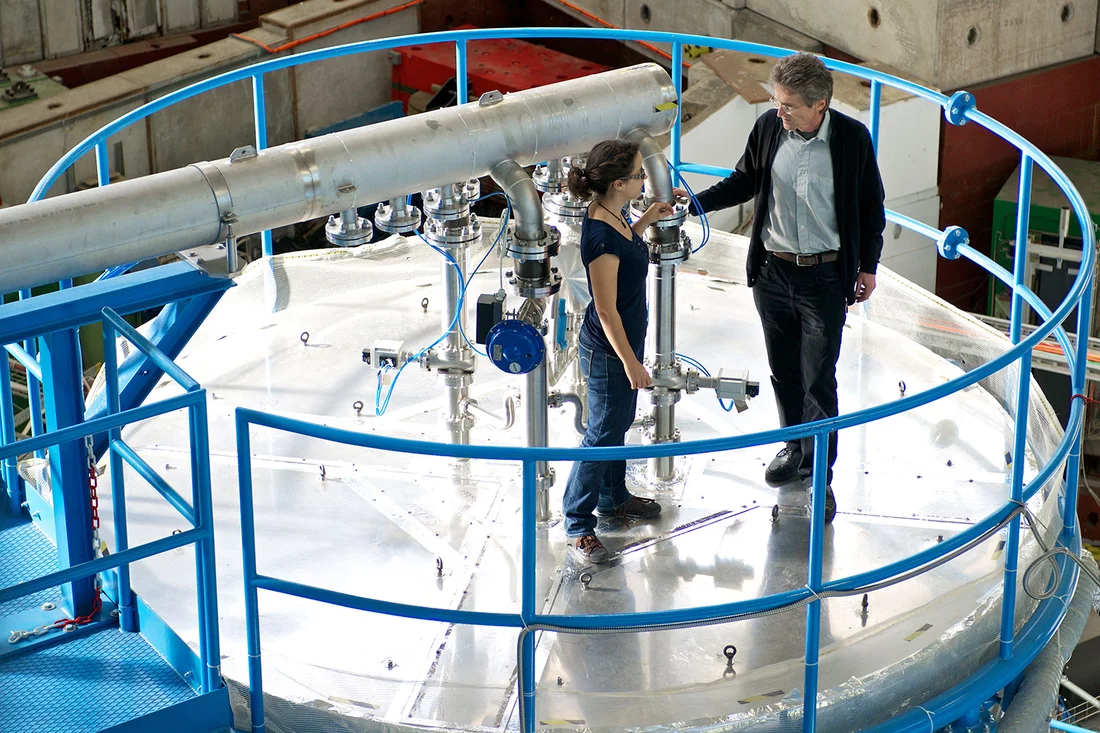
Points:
(438, 532)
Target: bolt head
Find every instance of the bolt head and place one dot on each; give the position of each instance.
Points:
(47, 606)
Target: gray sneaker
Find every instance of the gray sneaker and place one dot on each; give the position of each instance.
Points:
(588, 549)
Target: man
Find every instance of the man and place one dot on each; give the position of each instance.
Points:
(815, 244)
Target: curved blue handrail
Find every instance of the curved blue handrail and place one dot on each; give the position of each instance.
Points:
(1045, 619)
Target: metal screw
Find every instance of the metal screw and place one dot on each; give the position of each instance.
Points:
(47, 606)
(939, 538)
(560, 682)
(69, 628)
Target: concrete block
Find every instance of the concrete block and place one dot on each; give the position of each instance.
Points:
(179, 15)
(951, 43)
(62, 27)
(218, 12)
(143, 18)
(20, 32)
(363, 81)
(613, 11)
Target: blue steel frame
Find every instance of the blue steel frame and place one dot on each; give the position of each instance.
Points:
(199, 513)
(1016, 650)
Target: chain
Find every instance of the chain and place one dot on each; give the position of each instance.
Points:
(99, 549)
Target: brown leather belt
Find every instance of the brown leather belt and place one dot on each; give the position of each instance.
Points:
(807, 260)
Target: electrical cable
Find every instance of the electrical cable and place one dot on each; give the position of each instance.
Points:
(381, 405)
(703, 220)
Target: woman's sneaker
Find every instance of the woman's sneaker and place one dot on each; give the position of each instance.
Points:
(588, 549)
(637, 507)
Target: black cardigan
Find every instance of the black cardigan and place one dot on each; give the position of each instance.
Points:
(860, 212)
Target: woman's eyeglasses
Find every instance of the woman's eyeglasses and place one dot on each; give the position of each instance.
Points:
(639, 176)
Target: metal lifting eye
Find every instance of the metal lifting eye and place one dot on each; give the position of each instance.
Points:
(357, 406)
(424, 304)
(304, 338)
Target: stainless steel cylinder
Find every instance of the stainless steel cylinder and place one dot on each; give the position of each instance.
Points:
(70, 235)
(538, 431)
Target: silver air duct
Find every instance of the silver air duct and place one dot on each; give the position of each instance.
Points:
(71, 235)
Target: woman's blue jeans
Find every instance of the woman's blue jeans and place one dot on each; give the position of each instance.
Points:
(611, 408)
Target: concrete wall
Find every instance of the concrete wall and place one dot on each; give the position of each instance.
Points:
(950, 43)
(35, 135)
(32, 30)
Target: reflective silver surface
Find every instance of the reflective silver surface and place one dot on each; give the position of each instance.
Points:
(382, 525)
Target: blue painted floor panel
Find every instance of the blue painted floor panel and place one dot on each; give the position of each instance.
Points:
(84, 685)
(25, 554)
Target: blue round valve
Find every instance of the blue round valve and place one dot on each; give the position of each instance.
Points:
(515, 347)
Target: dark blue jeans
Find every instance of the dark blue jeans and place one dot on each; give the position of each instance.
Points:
(611, 407)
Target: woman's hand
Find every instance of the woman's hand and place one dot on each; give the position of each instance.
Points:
(657, 210)
(638, 375)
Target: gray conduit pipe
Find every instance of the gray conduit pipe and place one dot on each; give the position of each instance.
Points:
(1030, 709)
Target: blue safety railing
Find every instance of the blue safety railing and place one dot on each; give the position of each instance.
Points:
(1017, 648)
(198, 512)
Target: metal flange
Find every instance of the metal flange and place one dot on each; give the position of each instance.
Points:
(679, 213)
(566, 206)
(671, 253)
(389, 220)
(532, 250)
(542, 287)
(339, 234)
(437, 205)
(438, 232)
(547, 179)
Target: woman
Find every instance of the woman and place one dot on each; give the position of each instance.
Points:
(612, 338)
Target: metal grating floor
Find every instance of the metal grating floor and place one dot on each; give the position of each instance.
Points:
(92, 682)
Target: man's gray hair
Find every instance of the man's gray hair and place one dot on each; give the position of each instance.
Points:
(806, 75)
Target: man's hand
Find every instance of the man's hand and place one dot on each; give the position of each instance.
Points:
(638, 376)
(865, 285)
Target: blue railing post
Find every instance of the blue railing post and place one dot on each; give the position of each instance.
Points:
(127, 618)
(1023, 388)
(34, 399)
(817, 552)
(527, 609)
(874, 112)
(72, 509)
(205, 566)
(102, 163)
(12, 482)
(678, 85)
(461, 81)
(248, 556)
(259, 103)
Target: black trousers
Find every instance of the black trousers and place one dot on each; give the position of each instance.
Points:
(802, 310)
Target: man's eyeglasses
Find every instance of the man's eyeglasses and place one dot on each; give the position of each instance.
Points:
(786, 108)
(639, 176)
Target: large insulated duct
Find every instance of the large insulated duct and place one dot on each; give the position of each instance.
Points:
(82, 232)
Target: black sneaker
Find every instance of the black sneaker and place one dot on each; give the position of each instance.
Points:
(784, 467)
(830, 502)
(637, 507)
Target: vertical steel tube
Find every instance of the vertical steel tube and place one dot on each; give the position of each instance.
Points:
(205, 565)
(874, 113)
(127, 618)
(259, 103)
(248, 556)
(538, 432)
(813, 611)
(1019, 444)
(527, 604)
(664, 357)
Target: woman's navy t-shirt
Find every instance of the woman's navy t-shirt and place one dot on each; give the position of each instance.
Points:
(600, 238)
